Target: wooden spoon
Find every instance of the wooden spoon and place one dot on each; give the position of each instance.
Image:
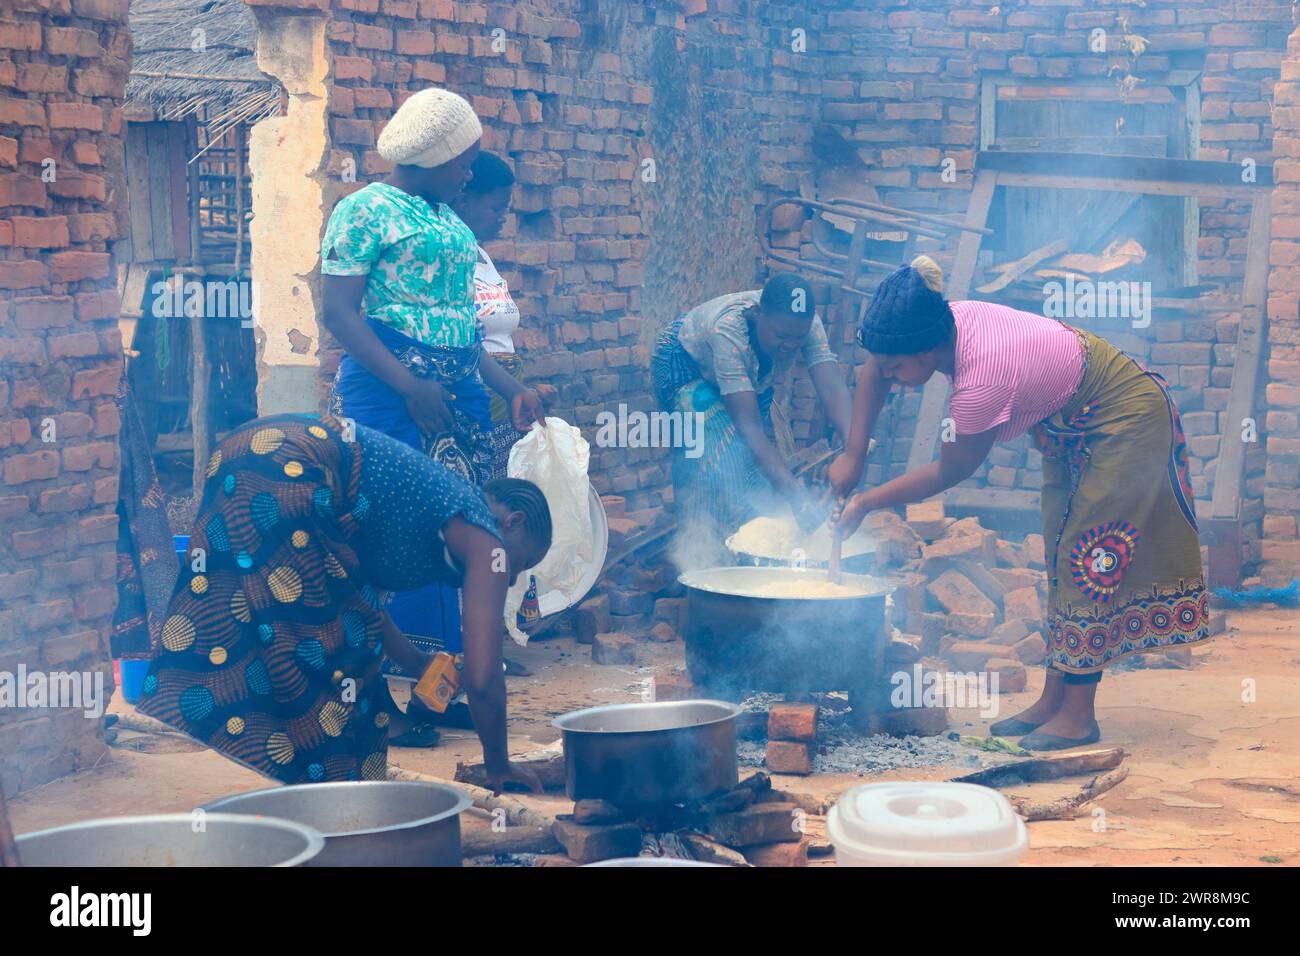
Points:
(8, 848)
(837, 546)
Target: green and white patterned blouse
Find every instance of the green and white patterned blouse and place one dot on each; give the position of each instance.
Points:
(419, 263)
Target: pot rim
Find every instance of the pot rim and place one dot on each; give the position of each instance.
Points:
(463, 803)
(315, 839)
(732, 711)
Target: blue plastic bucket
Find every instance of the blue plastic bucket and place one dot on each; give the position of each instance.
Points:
(133, 675)
(182, 544)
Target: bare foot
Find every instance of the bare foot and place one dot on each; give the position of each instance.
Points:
(1069, 725)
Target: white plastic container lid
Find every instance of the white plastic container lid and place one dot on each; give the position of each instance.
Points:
(925, 824)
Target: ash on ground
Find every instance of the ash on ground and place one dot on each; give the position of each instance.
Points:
(842, 749)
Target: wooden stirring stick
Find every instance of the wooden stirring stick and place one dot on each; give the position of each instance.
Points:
(8, 847)
(837, 546)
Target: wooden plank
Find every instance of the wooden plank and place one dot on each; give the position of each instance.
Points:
(935, 394)
(1131, 169)
(199, 401)
(1145, 145)
(1229, 475)
(1150, 187)
(1014, 270)
(1191, 207)
(139, 198)
(176, 187)
(1101, 93)
(192, 183)
(160, 193)
(988, 112)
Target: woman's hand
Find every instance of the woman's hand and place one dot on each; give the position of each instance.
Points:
(525, 408)
(858, 507)
(844, 473)
(426, 400)
(512, 772)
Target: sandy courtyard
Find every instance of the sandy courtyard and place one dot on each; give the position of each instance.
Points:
(1213, 777)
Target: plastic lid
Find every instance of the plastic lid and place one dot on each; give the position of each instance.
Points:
(928, 823)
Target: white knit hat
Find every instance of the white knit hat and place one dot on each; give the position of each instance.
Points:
(431, 128)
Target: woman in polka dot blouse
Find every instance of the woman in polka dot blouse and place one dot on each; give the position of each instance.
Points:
(273, 640)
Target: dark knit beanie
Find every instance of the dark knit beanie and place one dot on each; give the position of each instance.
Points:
(906, 315)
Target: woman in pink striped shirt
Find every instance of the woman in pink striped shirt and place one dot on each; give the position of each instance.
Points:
(1123, 556)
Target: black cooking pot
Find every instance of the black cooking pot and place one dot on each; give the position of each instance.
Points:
(739, 640)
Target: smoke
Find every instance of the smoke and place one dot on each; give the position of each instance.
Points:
(698, 546)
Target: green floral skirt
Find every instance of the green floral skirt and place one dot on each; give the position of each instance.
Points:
(1123, 556)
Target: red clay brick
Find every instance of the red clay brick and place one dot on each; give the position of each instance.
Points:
(71, 184)
(788, 721)
(40, 233)
(75, 266)
(21, 35)
(39, 312)
(24, 274)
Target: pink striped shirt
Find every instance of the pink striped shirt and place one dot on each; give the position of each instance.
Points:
(1012, 369)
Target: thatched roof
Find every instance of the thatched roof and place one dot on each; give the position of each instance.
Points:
(219, 80)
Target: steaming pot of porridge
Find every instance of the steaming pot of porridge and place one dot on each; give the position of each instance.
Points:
(785, 630)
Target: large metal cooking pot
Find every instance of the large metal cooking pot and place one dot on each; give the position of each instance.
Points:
(646, 756)
(739, 640)
(367, 823)
(173, 839)
(653, 861)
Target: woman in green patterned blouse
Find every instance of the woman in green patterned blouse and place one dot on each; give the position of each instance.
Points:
(398, 267)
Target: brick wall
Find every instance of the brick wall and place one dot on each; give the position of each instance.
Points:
(63, 67)
(1281, 552)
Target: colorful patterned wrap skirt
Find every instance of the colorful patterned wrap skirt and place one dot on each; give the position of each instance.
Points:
(272, 643)
(1124, 560)
(466, 448)
(720, 484)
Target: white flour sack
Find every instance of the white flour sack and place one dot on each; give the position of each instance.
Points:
(555, 458)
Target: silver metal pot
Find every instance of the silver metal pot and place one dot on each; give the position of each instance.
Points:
(648, 756)
(739, 640)
(173, 839)
(654, 861)
(367, 823)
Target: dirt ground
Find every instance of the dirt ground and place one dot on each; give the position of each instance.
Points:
(1214, 753)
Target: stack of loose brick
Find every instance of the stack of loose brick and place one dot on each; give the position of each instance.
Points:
(791, 738)
(973, 598)
(63, 67)
(638, 599)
